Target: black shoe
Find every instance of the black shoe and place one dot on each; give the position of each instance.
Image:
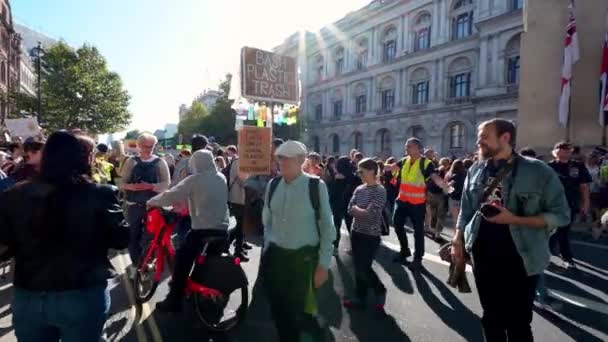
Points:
(247, 246)
(242, 256)
(169, 305)
(416, 265)
(400, 259)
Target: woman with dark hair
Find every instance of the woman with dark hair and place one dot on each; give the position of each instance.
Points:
(341, 190)
(59, 228)
(330, 170)
(455, 177)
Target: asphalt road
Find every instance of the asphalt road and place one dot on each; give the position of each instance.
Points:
(421, 307)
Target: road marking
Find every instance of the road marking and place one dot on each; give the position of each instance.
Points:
(139, 331)
(427, 256)
(591, 267)
(6, 286)
(589, 244)
(581, 286)
(579, 301)
(146, 311)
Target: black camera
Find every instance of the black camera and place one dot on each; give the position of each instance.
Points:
(488, 210)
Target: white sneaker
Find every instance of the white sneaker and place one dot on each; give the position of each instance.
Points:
(569, 265)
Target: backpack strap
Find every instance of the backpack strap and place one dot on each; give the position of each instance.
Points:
(274, 183)
(315, 201)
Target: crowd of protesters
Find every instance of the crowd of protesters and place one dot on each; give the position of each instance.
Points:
(496, 201)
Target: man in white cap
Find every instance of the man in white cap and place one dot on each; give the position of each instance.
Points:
(298, 244)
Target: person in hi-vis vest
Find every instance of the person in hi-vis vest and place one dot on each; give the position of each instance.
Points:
(412, 174)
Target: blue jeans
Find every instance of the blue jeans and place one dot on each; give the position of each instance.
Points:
(69, 316)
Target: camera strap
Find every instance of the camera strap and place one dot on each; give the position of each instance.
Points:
(504, 172)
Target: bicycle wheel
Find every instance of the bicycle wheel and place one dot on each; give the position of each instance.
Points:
(144, 283)
(224, 313)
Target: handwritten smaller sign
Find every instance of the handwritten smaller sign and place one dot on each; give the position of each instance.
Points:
(255, 152)
(24, 128)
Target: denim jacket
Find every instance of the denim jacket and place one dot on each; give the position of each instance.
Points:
(536, 190)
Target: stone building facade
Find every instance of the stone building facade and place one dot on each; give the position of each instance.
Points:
(10, 57)
(432, 69)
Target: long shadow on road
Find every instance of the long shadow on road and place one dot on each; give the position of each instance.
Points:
(456, 316)
(400, 278)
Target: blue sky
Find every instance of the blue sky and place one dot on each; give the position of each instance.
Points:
(167, 52)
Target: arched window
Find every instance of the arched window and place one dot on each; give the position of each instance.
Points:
(360, 99)
(462, 19)
(460, 78)
(337, 101)
(335, 144)
(317, 105)
(3, 72)
(457, 135)
(422, 32)
(339, 60)
(512, 57)
(319, 68)
(358, 141)
(420, 86)
(387, 94)
(417, 132)
(316, 144)
(362, 52)
(389, 45)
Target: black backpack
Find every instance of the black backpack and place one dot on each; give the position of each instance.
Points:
(226, 173)
(313, 192)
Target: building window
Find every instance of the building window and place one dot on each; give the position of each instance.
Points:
(335, 144)
(385, 141)
(418, 132)
(319, 112)
(457, 136)
(422, 39)
(320, 73)
(517, 4)
(338, 109)
(462, 26)
(358, 137)
(339, 66)
(361, 104)
(420, 93)
(388, 100)
(339, 61)
(316, 145)
(362, 61)
(3, 72)
(513, 70)
(390, 51)
(460, 85)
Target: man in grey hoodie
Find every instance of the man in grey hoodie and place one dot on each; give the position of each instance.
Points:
(207, 196)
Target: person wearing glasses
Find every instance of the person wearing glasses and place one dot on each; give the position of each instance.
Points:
(144, 177)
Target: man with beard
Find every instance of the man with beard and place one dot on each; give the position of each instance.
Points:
(510, 205)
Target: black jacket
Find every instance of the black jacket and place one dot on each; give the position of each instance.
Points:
(60, 237)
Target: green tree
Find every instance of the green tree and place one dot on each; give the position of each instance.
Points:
(80, 92)
(218, 123)
(133, 134)
(23, 102)
(192, 119)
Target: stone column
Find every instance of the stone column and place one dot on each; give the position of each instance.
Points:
(483, 62)
(407, 45)
(441, 79)
(372, 95)
(435, 24)
(542, 57)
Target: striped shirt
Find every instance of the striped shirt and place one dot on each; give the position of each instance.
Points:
(372, 198)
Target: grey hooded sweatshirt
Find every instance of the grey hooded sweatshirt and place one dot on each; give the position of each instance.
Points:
(206, 193)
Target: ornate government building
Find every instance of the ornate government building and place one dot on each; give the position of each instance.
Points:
(431, 69)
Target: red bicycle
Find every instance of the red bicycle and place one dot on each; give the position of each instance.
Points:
(217, 283)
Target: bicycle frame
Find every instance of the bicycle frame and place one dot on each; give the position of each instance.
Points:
(162, 243)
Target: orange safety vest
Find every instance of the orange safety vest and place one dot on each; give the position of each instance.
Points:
(413, 184)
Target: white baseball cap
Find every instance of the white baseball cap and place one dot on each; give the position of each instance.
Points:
(291, 149)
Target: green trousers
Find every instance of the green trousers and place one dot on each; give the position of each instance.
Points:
(288, 277)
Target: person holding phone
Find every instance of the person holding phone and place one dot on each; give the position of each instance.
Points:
(510, 205)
